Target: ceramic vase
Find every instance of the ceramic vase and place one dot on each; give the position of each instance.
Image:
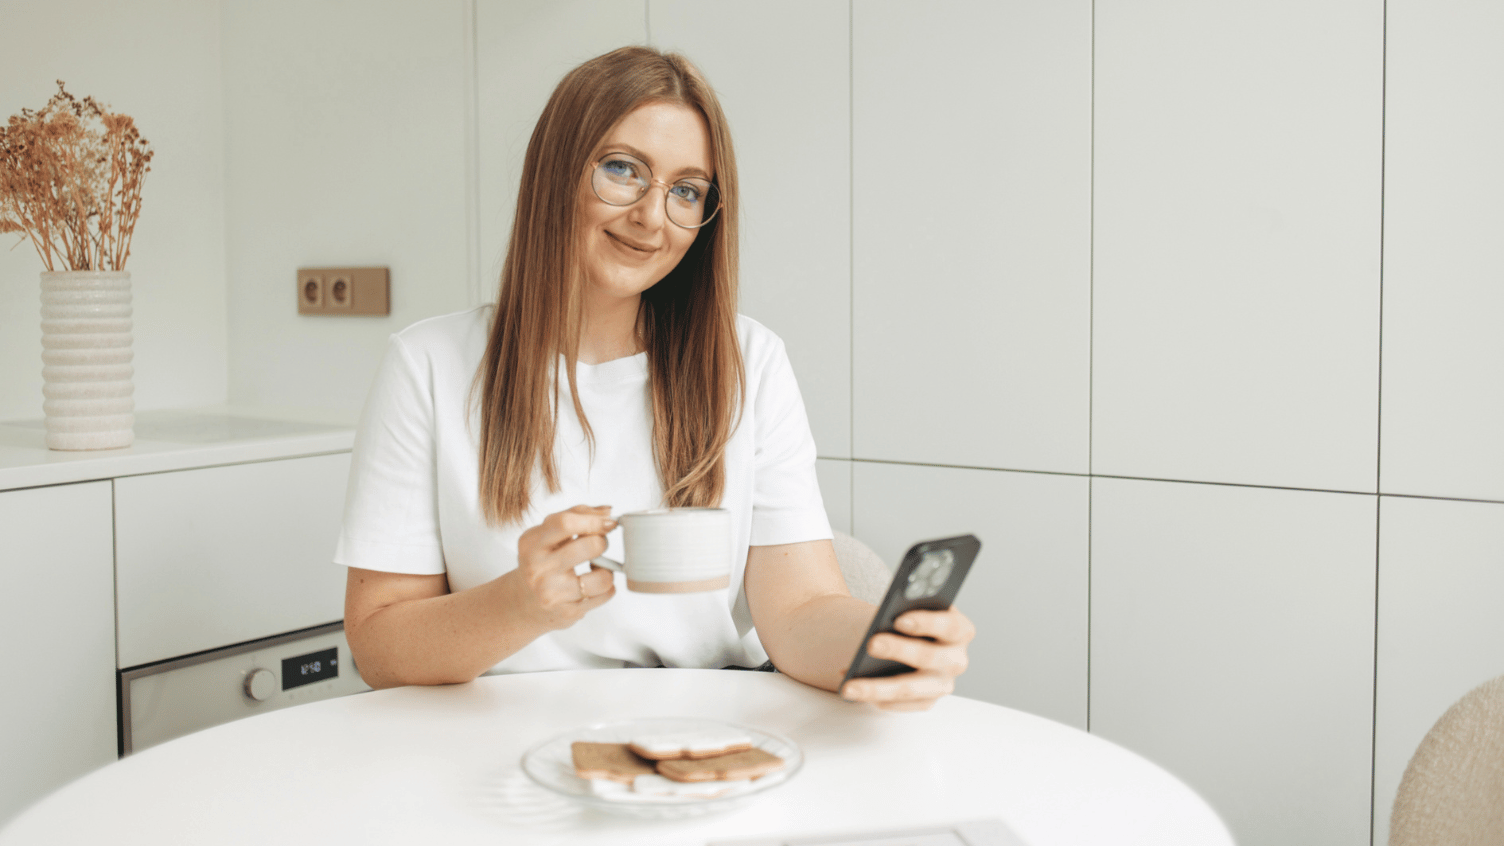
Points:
(86, 359)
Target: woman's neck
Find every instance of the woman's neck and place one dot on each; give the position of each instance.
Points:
(610, 330)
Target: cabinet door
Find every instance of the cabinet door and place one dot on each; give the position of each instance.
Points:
(1232, 643)
(222, 555)
(57, 639)
(971, 240)
(1443, 304)
(1235, 261)
(1027, 590)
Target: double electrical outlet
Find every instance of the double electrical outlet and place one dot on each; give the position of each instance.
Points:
(344, 290)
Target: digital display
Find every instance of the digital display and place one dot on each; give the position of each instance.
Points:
(310, 668)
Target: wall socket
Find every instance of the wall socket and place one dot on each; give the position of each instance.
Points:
(344, 290)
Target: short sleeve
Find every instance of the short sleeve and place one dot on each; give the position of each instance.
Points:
(786, 502)
(391, 504)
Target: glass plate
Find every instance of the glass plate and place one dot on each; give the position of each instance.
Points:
(551, 765)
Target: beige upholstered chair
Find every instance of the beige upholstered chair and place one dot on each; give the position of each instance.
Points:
(1452, 793)
(866, 575)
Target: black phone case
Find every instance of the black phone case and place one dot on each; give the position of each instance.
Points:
(894, 604)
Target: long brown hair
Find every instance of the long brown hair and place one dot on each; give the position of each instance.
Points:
(688, 318)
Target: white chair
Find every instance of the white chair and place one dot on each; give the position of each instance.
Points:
(1452, 792)
(866, 575)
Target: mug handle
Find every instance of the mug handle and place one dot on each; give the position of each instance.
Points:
(610, 563)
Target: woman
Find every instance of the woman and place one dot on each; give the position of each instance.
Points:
(613, 370)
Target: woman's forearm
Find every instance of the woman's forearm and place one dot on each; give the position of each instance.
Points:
(410, 629)
(818, 639)
(444, 639)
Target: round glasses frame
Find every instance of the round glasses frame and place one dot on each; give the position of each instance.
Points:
(610, 188)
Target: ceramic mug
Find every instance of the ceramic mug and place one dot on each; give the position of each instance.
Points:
(674, 550)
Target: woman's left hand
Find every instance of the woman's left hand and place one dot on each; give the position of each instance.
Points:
(937, 661)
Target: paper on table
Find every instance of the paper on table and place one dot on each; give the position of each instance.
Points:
(969, 833)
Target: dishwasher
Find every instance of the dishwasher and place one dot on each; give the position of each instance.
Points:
(228, 604)
(160, 702)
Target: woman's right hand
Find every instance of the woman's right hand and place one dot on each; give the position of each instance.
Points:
(547, 555)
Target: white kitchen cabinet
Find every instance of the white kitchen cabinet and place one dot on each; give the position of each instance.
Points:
(1235, 286)
(57, 639)
(971, 233)
(1443, 301)
(216, 526)
(1232, 642)
(211, 557)
(1027, 591)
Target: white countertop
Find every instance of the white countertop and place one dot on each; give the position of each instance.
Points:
(177, 439)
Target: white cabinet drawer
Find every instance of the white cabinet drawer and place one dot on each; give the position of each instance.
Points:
(211, 557)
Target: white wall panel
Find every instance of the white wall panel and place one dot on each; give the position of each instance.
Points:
(1232, 634)
(158, 61)
(1441, 633)
(523, 48)
(346, 146)
(782, 72)
(1027, 591)
(1443, 280)
(57, 639)
(1236, 241)
(835, 489)
(971, 232)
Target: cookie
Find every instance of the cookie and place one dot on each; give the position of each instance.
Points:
(657, 785)
(612, 761)
(746, 764)
(690, 744)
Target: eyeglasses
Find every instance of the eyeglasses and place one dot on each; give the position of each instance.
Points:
(621, 180)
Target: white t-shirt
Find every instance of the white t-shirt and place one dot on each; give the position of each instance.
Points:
(413, 505)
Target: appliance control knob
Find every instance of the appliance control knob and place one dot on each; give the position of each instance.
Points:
(260, 684)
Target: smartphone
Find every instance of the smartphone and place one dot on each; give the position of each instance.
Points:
(928, 579)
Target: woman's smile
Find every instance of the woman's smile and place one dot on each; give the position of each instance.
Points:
(633, 248)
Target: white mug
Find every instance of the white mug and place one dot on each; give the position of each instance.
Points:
(674, 550)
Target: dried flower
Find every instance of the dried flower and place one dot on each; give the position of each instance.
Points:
(70, 180)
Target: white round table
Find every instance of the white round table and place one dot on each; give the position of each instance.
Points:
(441, 765)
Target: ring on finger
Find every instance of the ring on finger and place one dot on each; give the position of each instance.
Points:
(583, 596)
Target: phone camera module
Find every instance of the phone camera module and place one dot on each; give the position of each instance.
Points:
(927, 578)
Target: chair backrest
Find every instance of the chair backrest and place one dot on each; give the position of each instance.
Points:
(866, 575)
(1452, 791)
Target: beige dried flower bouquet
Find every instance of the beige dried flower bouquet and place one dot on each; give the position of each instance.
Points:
(70, 180)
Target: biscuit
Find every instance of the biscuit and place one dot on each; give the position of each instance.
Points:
(746, 764)
(690, 744)
(613, 761)
(657, 785)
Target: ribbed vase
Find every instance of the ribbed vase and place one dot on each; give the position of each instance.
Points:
(86, 359)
